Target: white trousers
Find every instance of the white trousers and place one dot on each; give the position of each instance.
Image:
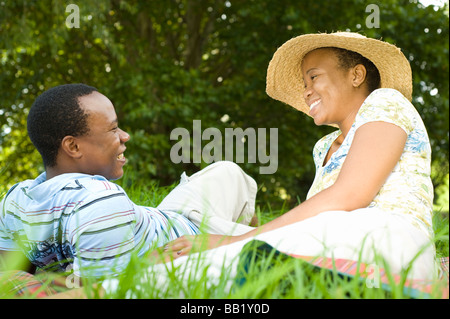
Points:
(219, 199)
(370, 235)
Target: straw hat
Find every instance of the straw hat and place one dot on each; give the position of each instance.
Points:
(284, 76)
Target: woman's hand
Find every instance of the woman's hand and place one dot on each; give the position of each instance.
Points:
(195, 243)
(186, 244)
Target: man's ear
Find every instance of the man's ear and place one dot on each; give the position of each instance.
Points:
(69, 145)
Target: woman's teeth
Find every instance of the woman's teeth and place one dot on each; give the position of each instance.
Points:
(314, 104)
(120, 156)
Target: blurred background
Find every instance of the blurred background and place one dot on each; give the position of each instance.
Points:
(165, 63)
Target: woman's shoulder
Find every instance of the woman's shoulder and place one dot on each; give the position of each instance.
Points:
(388, 99)
(388, 105)
(387, 92)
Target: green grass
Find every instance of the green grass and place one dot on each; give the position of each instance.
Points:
(264, 275)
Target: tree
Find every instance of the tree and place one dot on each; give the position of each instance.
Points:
(167, 63)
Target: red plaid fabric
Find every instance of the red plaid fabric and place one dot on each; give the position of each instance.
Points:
(19, 283)
(415, 288)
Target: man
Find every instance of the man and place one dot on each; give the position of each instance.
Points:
(73, 215)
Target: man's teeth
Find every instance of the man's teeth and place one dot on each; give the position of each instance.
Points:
(314, 104)
(120, 156)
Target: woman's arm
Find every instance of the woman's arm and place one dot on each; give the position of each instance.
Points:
(375, 150)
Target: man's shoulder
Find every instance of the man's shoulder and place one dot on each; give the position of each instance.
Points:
(91, 189)
(98, 184)
(65, 187)
(98, 189)
(15, 189)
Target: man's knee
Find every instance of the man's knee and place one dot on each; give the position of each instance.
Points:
(228, 165)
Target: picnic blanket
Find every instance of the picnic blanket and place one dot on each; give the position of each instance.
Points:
(344, 268)
(18, 283)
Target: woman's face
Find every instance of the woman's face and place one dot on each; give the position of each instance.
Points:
(329, 89)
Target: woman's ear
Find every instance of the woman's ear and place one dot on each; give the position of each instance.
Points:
(69, 145)
(359, 74)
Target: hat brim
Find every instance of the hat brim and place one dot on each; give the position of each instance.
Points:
(284, 77)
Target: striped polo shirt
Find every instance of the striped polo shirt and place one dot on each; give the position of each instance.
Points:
(83, 221)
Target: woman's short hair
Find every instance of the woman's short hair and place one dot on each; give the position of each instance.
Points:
(348, 59)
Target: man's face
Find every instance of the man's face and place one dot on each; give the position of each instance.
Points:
(103, 146)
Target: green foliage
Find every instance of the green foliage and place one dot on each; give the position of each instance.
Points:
(166, 63)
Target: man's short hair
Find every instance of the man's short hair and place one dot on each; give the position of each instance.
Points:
(56, 113)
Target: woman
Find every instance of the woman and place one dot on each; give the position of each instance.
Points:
(372, 194)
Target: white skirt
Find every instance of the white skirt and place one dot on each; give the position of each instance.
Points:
(369, 235)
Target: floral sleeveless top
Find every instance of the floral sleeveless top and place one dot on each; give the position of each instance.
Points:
(408, 190)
